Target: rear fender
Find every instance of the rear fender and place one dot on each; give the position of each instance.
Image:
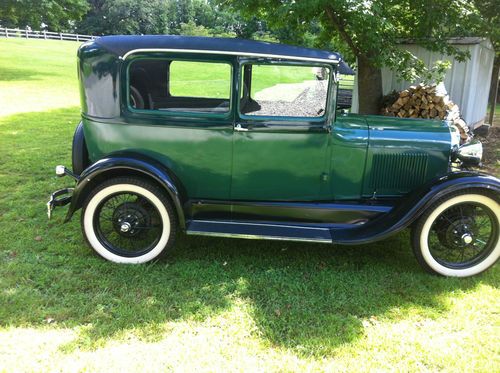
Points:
(79, 154)
(128, 164)
(414, 204)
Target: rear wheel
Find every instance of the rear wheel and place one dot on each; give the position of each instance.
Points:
(459, 235)
(128, 220)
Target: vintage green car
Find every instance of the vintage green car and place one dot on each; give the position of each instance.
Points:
(239, 138)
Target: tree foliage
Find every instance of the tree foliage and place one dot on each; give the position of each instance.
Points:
(107, 17)
(490, 22)
(187, 17)
(57, 15)
(371, 31)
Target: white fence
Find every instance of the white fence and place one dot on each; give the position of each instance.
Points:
(29, 34)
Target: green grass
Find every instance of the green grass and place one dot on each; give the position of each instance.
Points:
(35, 76)
(202, 79)
(264, 76)
(346, 82)
(191, 79)
(213, 304)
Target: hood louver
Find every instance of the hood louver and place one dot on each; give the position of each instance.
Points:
(400, 172)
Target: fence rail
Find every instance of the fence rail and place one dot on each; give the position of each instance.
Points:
(30, 34)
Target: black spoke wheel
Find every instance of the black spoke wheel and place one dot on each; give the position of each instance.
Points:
(128, 220)
(128, 224)
(463, 235)
(459, 235)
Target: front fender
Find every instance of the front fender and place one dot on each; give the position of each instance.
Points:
(123, 164)
(411, 207)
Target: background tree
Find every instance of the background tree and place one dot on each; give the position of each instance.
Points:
(187, 17)
(490, 27)
(371, 30)
(192, 29)
(107, 17)
(58, 15)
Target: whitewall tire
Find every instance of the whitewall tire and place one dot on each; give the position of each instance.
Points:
(128, 220)
(459, 235)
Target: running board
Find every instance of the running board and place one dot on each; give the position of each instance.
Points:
(263, 231)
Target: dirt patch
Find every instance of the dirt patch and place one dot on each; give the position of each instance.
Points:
(287, 92)
(310, 102)
(491, 151)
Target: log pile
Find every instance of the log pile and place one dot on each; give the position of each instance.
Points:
(422, 101)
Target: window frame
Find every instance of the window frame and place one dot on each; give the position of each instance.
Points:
(176, 113)
(321, 119)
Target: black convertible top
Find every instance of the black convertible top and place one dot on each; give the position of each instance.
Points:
(123, 45)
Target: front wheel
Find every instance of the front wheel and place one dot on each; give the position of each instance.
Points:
(128, 220)
(459, 235)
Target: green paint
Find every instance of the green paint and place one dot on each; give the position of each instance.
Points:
(335, 157)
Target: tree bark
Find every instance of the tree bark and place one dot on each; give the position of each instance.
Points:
(369, 76)
(492, 99)
(369, 87)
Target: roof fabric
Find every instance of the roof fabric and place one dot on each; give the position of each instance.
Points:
(123, 44)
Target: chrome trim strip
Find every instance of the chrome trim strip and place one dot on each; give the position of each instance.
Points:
(259, 224)
(256, 237)
(244, 54)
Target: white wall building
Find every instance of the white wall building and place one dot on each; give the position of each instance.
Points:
(467, 83)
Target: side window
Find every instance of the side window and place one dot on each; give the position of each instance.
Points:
(284, 90)
(179, 86)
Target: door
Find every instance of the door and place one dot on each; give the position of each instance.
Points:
(178, 111)
(281, 139)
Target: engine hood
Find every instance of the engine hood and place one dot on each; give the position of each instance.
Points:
(418, 134)
(405, 153)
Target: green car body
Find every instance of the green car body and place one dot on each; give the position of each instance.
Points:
(337, 157)
(331, 177)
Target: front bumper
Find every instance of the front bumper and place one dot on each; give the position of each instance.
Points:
(63, 196)
(60, 197)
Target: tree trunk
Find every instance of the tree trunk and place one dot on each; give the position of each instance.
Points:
(369, 87)
(492, 99)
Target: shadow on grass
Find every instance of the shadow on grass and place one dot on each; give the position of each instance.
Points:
(9, 74)
(305, 297)
(308, 298)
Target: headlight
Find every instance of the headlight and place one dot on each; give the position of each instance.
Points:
(471, 153)
(455, 136)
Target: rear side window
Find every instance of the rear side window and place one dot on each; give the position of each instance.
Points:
(284, 90)
(179, 86)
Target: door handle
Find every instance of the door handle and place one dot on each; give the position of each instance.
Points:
(239, 128)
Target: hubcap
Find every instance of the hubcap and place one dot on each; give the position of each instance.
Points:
(125, 227)
(467, 238)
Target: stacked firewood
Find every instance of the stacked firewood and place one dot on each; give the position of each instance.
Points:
(422, 101)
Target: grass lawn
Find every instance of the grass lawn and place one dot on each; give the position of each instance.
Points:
(190, 78)
(213, 304)
(346, 82)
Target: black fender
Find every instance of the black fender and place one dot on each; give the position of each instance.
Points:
(413, 205)
(79, 153)
(127, 164)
